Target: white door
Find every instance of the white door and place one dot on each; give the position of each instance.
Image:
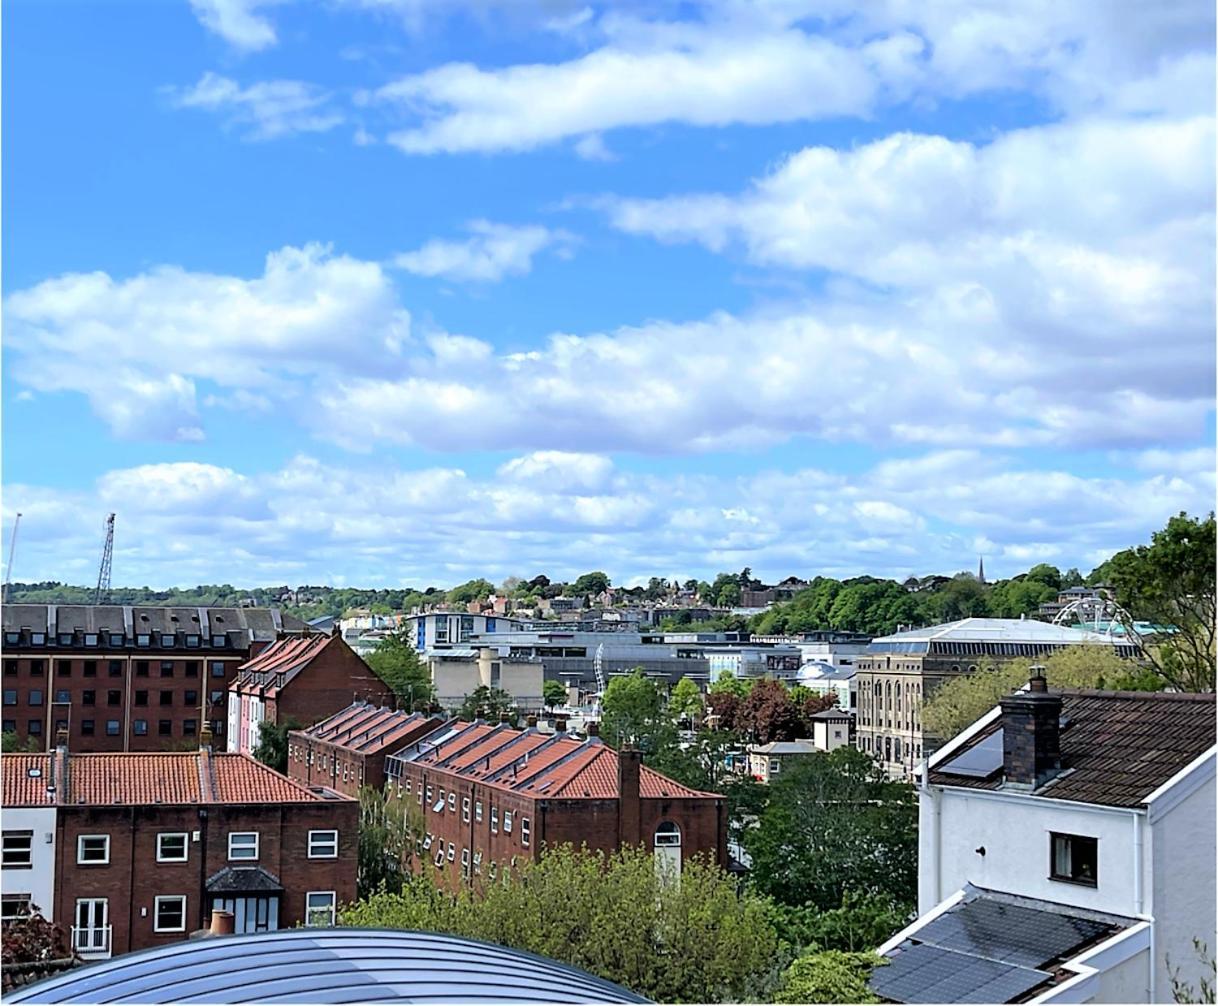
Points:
(91, 934)
(667, 850)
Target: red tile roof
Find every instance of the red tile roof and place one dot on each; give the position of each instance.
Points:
(1117, 747)
(149, 778)
(287, 657)
(367, 728)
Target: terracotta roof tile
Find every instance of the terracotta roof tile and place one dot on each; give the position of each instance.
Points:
(21, 788)
(367, 728)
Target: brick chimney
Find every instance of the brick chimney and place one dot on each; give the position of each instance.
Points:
(560, 725)
(630, 829)
(531, 722)
(1031, 734)
(592, 728)
(57, 790)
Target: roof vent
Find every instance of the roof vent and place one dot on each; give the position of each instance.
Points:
(34, 773)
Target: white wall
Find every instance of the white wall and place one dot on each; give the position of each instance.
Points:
(1014, 831)
(1182, 898)
(39, 880)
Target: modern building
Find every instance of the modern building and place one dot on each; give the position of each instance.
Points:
(304, 679)
(134, 850)
(901, 671)
(347, 751)
(127, 678)
(435, 630)
(491, 795)
(825, 679)
(1066, 853)
(834, 647)
(459, 671)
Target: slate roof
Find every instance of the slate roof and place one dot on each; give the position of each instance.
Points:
(243, 880)
(138, 778)
(1117, 747)
(243, 625)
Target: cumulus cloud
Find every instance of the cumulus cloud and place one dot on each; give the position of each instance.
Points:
(237, 22)
(492, 252)
(267, 110)
(310, 522)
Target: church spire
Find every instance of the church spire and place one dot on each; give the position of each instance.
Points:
(981, 568)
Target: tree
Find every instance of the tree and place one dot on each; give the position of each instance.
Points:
(686, 702)
(769, 713)
(963, 700)
(489, 704)
(32, 939)
(272, 746)
(812, 705)
(728, 595)
(1184, 991)
(834, 822)
(862, 922)
(553, 693)
(632, 712)
(830, 976)
(591, 583)
(702, 763)
(471, 590)
(702, 940)
(727, 707)
(1050, 576)
(396, 662)
(388, 828)
(728, 682)
(12, 743)
(1170, 583)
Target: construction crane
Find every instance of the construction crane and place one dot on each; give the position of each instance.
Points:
(12, 547)
(103, 573)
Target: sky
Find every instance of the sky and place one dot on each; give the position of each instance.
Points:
(404, 292)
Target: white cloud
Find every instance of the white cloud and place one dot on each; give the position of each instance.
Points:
(236, 22)
(267, 110)
(492, 252)
(309, 522)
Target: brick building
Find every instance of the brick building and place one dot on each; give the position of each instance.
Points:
(347, 750)
(124, 678)
(490, 795)
(305, 679)
(140, 847)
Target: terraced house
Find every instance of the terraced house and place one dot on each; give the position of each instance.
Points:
(133, 850)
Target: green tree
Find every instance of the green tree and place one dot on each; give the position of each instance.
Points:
(471, 590)
(1048, 575)
(590, 583)
(1170, 582)
(272, 746)
(728, 682)
(702, 940)
(12, 743)
(491, 704)
(632, 712)
(835, 822)
(388, 828)
(553, 693)
(396, 662)
(728, 595)
(685, 701)
(830, 976)
(861, 922)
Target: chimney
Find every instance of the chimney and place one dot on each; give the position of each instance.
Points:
(629, 764)
(221, 923)
(205, 737)
(57, 790)
(504, 717)
(593, 728)
(560, 726)
(1031, 734)
(531, 722)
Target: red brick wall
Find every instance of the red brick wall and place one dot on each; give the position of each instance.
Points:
(335, 678)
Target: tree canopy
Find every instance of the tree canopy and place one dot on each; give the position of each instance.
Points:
(396, 662)
(489, 704)
(553, 693)
(633, 712)
(272, 746)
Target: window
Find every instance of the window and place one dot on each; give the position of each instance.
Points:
(524, 832)
(10, 696)
(171, 847)
(219, 639)
(243, 845)
(18, 849)
(10, 668)
(494, 819)
(93, 850)
(114, 697)
(429, 795)
(166, 697)
(478, 811)
(139, 728)
(62, 695)
(465, 809)
(13, 907)
(10, 726)
(36, 668)
(452, 852)
(217, 668)
(88, 697)
(164, 728)
(1074, 858)
(167, 640)
(190, 728)
(12, 638)
(38, 638)
(65, 639)
(116, 668)
(217, 728)
(143, 639)
(452, 802)
(112, 728)
(323, 844)
(90, 668)
(34, 728)
(35, 696)
(87, 727)
(141, 668)
(216, 697)
(191, 668)
(507, 822)
(319, 908)
(117, 639)
(465, 861)
(169, 913)
(775, 766)
(190, 697)
(166, 668)
(192, 642)
(141, 698)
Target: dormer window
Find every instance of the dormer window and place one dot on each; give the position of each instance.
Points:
(143, 639)
(167, 639)
(12, 638)
(117, 639)
(192, 642)
(38, 638)
(219, 640)
(65, 639)
(90, 639)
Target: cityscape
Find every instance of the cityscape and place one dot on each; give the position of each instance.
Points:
(625, 502)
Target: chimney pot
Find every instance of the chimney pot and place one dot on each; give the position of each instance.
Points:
(221, 922)
(594, 729)
(61, 739)
(504, 717)
(560, 726)
(531, 721)
(1031, 734)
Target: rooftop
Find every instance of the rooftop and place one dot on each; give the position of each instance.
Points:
(137, 778)
(251, 624)
(1002, 630)
(369, 728)
(1116, 748)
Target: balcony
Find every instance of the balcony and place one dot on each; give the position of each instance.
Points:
(91, 942)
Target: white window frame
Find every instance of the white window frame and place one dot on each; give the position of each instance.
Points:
(160, 854)
(244, 835)
(478, 811)
(507, 822)
(525, 832)
(161, 899)
(316, 840)
(28, 839)
(309, 909)
(80, 851)
(452, 802)
(19, 901)
(465, 810)
(452, 852)
(494, 820)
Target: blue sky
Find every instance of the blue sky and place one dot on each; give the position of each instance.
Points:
(390, 292)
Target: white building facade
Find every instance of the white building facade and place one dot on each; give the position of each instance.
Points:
(27, 878)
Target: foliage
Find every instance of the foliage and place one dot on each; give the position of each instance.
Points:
(553, 693)
(396, 662)
(387, 832)
(471, 590)
(632, 712)
(32, 939)
(590, 583)
(701, 940)
(728, 682)
(1183, 991)
(770, 714)
(835, 822)
(685, 702)
(491, 704)
(1170, 582)
(813, 704)
(861, 922)
(702, 763)
(12, 743)
(965, 699)
(272, 746)
(830, 976)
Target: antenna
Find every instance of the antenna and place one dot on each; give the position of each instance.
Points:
(12, 547)
(103, 573)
